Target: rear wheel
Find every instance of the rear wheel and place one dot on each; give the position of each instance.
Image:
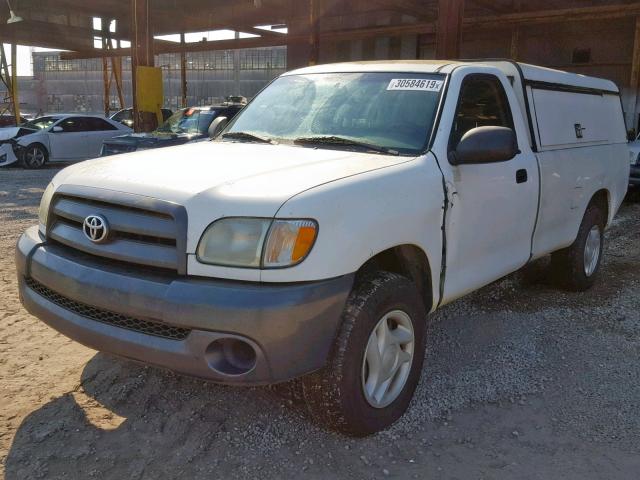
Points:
(577, 267)
(376, 360)
(34, 156)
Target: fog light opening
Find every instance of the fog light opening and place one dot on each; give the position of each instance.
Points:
(231, 356)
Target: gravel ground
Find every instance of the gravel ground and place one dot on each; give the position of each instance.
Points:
(521, 381)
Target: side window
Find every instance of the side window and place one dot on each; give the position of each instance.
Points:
(73, 124)
(122, 115)
(483, 102)
(99, 125)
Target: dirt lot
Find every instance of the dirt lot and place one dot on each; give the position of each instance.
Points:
(521, 381)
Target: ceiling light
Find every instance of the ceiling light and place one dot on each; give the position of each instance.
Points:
(13, 18)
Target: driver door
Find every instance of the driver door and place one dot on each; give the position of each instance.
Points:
(69, 143)
(493, 208)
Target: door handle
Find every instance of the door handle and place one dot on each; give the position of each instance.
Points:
(521, 176)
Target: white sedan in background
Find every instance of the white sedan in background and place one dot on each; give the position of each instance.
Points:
(53, 138)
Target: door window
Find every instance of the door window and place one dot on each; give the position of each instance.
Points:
(74, 124)
(96, 124)
(123, 115)
(483, 102)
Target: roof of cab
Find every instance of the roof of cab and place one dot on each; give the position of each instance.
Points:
(530, 72)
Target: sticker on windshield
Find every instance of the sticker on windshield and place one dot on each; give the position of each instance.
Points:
(420, 84)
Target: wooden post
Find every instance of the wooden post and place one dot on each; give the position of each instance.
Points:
(515, 34)
(141, 54)
(14, 82)
(634, 82)
(116, 69)
(314, 33)
(515, 38)
(183, 72)
(106, 85)
(236, 68)
(449, 28)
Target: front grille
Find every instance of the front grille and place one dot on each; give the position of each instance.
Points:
(137, 234)
(111, 318)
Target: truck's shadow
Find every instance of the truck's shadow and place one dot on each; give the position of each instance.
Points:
(129, 421)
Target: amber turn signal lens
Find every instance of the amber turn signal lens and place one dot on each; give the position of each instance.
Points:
(304, 242)
(289, 242)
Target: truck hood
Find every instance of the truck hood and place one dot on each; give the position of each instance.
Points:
(216, 179)
(152, 140)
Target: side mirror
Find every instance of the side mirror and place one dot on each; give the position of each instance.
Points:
(485, 145)
(217, 126)
(57, 129)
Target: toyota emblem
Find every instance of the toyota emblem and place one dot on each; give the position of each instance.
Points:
(96, 228)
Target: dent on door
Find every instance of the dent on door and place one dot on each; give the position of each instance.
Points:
(577, 198)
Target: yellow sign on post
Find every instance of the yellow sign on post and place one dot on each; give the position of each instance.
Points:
(149, 93)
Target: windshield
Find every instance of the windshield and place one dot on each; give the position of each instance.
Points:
(393, 111)
(189, 120)
(40, 123)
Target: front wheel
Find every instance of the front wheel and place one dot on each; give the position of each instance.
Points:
(576, 267)
(34, 156)
(376, 360)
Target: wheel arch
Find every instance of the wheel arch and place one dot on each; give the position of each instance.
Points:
(38, 143)
(602, 199)
(408, 260)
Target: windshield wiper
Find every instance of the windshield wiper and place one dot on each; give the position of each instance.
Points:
(250, 137)
(336, 140)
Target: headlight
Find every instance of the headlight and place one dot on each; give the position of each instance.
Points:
(257, 242)
(43, 211)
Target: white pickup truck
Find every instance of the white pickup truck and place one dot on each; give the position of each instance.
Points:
(313, 237)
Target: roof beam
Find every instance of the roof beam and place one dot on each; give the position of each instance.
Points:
(334, 35)
(553, 16)
(491, 5)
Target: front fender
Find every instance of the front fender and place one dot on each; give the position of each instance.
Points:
(27, 140)
(363, 215)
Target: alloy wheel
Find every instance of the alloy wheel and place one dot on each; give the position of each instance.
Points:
(592, 250)
(387, 359)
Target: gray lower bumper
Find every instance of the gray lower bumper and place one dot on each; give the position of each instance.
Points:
(634, 177)
(290, 326)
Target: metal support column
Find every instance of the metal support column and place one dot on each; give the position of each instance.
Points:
(14, 83)
(141, 55)
(8, 78)
(183, 71)
(314, 32)
(116, 70)
(515, 40)
(106, 84)
(449, 28)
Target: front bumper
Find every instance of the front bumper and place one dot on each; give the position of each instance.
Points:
(634, 175)
(7, 155)
(291, 327)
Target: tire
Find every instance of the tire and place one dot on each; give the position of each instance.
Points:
(34, 156)
(336, 395)
(577, 267)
